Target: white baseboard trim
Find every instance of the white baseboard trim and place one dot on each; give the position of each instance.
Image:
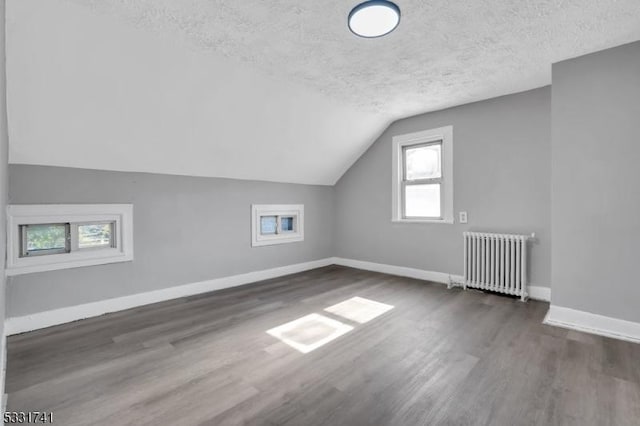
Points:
(50, 318)
(535, 292)
(402, 271)
(587, 322)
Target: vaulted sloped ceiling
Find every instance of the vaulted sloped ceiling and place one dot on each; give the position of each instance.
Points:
(268, 90)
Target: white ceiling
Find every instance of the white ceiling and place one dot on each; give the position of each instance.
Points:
(269, 90)
(90, 91)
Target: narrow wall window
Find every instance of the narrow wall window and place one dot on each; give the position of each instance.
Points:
(57, 238)
(423, 177)
(276, 224)
(49, 237)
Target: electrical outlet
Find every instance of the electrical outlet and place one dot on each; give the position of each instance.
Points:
(463, 217)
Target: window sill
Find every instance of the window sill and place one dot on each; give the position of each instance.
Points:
(280, 240)
(77, 262)
(441, 221)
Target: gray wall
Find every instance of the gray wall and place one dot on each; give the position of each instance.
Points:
(501, 178)
(596, 172)
(4, 138)
(186, 229)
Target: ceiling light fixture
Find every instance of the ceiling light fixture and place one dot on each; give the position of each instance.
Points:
(374, 18)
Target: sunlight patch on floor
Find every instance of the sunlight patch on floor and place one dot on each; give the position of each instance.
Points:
(359, 309)
(309, 332)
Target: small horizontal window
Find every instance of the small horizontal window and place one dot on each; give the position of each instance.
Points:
(277, 224)
(57, 238)
(49, 237)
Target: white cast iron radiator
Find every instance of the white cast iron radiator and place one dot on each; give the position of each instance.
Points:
(496, 262)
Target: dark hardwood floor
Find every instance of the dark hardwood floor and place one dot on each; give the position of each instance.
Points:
(440, 357)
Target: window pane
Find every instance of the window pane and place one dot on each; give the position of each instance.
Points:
(423, 162)
(422, 200)
(94, 235)
(268, 225)
(46, 237)
(286, 224)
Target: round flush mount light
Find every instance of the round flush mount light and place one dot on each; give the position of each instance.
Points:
(374, 18)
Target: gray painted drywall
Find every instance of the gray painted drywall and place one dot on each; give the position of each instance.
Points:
(501, 178)
(596, 171)
(4, 142)
(186, 229)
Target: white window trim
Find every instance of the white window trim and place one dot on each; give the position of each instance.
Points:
(121, 214)
(399, 142)
(258, 210)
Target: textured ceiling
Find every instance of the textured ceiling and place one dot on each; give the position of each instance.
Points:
(443, 53)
